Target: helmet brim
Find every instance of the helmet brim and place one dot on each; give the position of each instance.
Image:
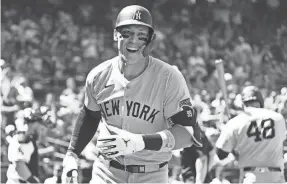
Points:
(132, 22)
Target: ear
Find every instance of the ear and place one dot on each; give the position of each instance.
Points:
(115, 35)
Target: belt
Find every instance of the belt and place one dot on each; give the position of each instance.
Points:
(22, 181)
(262, 169)
(136, 168)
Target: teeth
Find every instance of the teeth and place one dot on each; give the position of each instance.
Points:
(133, 49)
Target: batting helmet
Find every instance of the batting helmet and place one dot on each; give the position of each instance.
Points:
(33, 116)
(252, 93)
(134, 15)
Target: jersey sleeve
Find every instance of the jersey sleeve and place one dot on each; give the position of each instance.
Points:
(176, 94)
(89, 100)
(227, 139)
(15, 153)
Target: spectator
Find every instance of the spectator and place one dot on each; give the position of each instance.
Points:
(9, 97)
(25, 94)
(56, 178)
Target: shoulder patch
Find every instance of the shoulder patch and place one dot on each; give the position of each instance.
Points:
(185, 102)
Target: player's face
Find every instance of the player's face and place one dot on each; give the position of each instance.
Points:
(131, 40)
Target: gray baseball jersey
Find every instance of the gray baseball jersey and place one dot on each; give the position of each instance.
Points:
(257, 135)
(142, 105)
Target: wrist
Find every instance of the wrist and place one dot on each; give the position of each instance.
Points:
(152, 141)
(161, 141)
(168, 140)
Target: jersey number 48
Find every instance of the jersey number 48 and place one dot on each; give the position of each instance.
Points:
(262, 130)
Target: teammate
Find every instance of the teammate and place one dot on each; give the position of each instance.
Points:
(257, 135)
(144, 105)
(23, 149)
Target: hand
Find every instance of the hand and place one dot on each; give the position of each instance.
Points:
(70, 169)
(147, 49)
(116, 145)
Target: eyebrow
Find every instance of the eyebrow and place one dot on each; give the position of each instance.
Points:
(128, 28)
(141, 31)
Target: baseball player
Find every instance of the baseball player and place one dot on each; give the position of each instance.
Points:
(257, 135)
(144, 107)
(23, 149)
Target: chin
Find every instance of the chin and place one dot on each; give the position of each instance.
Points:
(128, 58)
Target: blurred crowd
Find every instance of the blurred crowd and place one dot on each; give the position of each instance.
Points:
(48, 47)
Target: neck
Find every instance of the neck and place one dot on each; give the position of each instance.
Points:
(133, 70)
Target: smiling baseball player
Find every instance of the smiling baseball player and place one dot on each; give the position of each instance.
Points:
(257, 135)
(144, 105)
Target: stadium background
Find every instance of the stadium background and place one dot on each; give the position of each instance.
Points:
(49, 46)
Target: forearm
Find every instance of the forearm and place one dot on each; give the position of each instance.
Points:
(201, 168)
(47, 150)
(24, 172)
(9, 108)
(177, 133)
(85, 128)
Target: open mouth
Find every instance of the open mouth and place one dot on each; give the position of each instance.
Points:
(132, 50)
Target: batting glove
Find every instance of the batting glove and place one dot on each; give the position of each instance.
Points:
(70, 168)
(147, 49)
(116, 145)
(249, 178)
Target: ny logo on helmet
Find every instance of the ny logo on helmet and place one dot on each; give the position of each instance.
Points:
(137, 15)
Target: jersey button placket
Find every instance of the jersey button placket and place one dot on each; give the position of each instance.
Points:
(124, 125)
(126, 91)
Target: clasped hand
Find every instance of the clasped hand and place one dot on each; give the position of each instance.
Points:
(112, 146)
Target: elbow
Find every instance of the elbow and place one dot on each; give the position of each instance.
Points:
(183, 144)
(182, 137)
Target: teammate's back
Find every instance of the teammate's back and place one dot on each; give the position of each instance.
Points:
(257, 135)
(261, 135)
